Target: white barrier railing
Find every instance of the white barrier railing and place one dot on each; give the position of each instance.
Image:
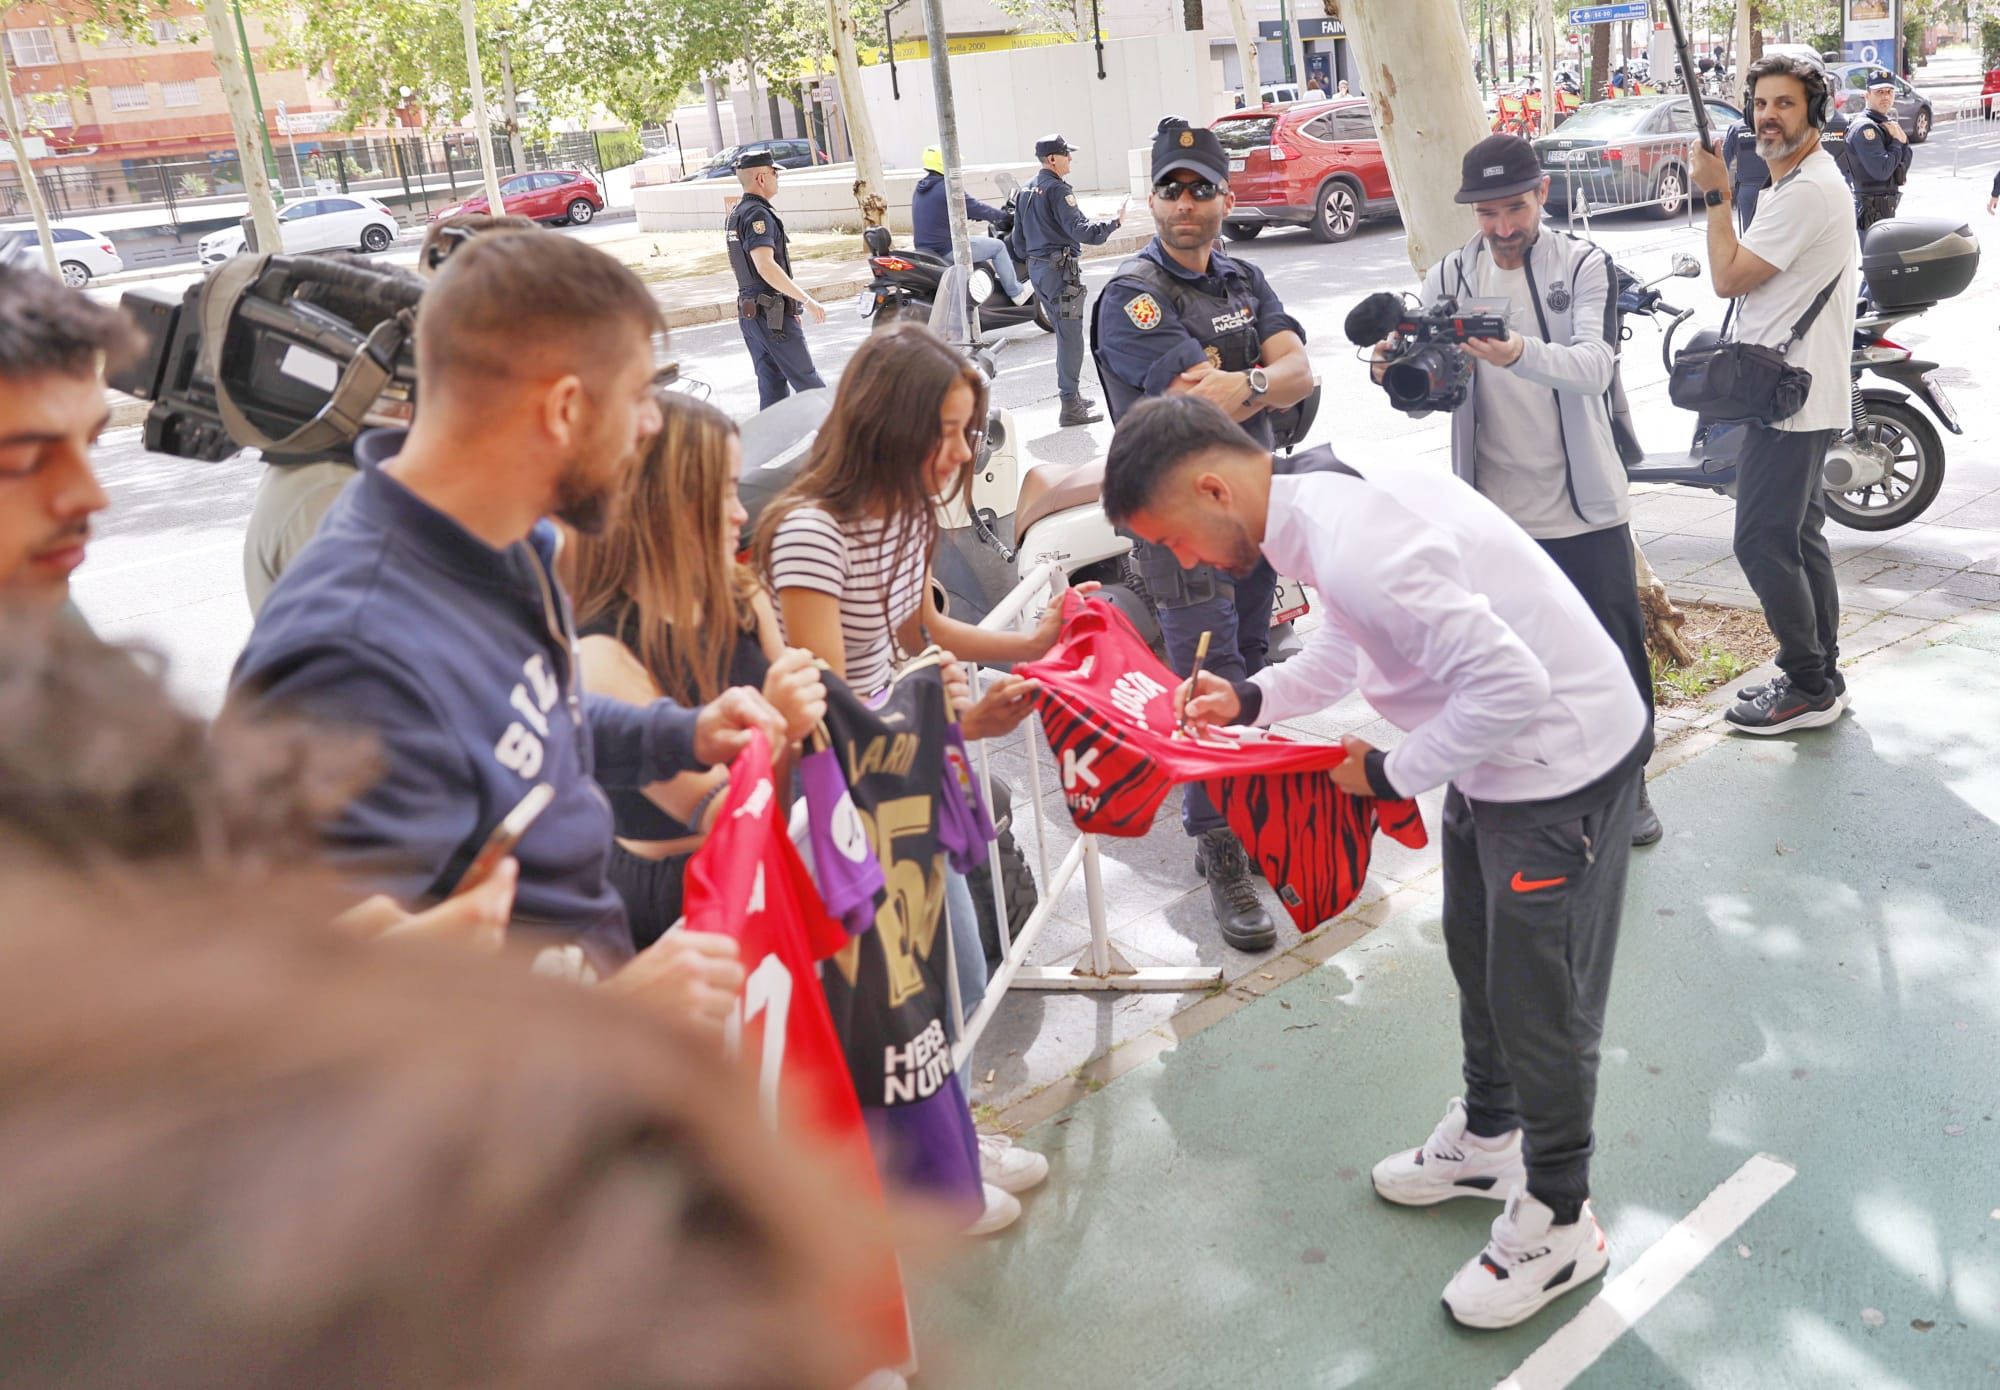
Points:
(1970, 125)
(1100, 966)
(1621, 175)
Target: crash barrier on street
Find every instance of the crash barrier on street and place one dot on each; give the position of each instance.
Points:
(1972, 130)
(1597, 177)
(1101, 966)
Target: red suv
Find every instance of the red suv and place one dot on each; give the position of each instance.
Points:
(1310, 164)
(554, 195)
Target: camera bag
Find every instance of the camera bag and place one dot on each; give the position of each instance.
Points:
(1735, 381)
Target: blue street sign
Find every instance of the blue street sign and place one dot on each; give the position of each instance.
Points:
(1631, 11)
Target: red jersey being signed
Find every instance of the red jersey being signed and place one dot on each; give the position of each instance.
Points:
(1107, 707)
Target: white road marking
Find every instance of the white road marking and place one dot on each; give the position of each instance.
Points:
(1636, 1290)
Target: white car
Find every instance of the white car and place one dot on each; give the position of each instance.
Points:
(347, 222)
(80, 252)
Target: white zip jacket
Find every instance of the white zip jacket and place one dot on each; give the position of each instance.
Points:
(1456, 627)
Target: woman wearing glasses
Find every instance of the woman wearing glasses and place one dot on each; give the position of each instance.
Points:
(847, 550)
(1182, 317)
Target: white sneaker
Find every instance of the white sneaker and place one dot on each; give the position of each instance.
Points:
(1008, 1166)
(1451, 1164)
(1527, 1265)
(1027, 292)
(1001, 1212)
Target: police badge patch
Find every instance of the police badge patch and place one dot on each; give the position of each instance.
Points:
(1214, 356)
(1071, 200)
(1558, 296)
(1187, 139)
(1144, 311)
(758, 226)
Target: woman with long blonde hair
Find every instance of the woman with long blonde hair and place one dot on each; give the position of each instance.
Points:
(665, 609)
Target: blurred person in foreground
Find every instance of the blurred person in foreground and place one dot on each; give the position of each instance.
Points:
(54, 347)
(427, 613)
(242, 1151)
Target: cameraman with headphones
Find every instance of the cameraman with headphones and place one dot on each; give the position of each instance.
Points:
(1798, 263)
(1536, 434)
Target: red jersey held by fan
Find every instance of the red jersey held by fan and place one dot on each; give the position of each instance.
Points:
(747, 881)
(1108, 709)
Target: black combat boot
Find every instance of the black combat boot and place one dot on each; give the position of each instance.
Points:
(1078, 411)
(1232, 888)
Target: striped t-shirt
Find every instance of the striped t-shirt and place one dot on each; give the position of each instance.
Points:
(851, 561)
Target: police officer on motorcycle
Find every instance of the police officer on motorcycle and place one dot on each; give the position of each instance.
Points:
(769, 303)
(1055, 231)
(1183, 317)
(1876, 155)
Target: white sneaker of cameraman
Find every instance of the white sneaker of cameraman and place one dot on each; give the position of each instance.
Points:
(1527, 1265)
(1452, 1164)
(1008, 1166)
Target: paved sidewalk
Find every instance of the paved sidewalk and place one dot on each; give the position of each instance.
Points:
(1808, 969)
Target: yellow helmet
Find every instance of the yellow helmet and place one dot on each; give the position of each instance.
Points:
(934, 159)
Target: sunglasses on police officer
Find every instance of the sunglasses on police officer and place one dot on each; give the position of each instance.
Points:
(1201, 190)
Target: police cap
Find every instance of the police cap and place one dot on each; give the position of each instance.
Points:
(1177, 145)
(1880, 78)
(1053, 144)
(754, 159)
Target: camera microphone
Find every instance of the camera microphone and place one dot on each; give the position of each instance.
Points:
(1374, 318)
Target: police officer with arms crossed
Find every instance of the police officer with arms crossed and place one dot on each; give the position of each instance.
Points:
(1798, 249)
(1462, 632)
(1055, 232)
(1876, 155)
(930, 227)
(1183, 318)
(768, 300)
(1536, 434)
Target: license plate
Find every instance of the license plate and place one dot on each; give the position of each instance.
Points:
(1943, 404)
(1289, 603)
(1237, 166)
(864, 304)
(1567, 156)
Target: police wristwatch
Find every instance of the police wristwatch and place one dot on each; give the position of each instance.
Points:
(1260, 383)
(1713, 197)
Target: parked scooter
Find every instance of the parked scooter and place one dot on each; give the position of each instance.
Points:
(906, 279)
(1887, 468)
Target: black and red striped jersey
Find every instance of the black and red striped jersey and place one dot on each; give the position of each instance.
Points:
(1107, 707)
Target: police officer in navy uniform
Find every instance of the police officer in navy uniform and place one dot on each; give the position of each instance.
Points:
(1182, 317)
(1055, 232)
(768, 301)
(1877, 155)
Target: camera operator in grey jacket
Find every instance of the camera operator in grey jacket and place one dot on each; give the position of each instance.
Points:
(1538, 433)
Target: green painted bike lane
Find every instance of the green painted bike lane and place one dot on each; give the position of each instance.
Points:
(1809, 968)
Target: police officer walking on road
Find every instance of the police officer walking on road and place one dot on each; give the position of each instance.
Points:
(768, 301)
(1055, 232)
(1877, 156)
(1179, 318)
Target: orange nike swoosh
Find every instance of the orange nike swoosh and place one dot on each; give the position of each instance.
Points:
(1531, 885)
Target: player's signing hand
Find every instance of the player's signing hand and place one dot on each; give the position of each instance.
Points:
(1207, 702)
(724, 725)
(686, 977)
(794, 688)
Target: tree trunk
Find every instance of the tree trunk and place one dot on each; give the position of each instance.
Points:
(1246, 48)
(1663, 620)
(1416, 68)
(1510, 46)
(248, 124)
(758, 116)
(868, 182)
(510, 107)
(476, 85)
(1600, 63)
(37, 205)
(716, 142)
(1545, 13)
(1749, 39)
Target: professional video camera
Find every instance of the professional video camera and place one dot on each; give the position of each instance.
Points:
(293, 355)
(1430, 371)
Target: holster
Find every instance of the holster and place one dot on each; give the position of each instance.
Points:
(1075, 298)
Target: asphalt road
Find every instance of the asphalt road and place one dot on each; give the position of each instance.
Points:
(166, 567)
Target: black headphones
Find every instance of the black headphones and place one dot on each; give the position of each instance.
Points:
(1819, 92)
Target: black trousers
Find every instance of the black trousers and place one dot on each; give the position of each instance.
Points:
(783, 361)
(1602, 567)
(1781, 545)
(1532, 904)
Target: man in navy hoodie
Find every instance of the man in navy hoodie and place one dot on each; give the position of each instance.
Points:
(426, 611)
(930, 227)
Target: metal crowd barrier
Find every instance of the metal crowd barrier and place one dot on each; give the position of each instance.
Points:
(1101, 966)
(1622, 175)
(1973, 123)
